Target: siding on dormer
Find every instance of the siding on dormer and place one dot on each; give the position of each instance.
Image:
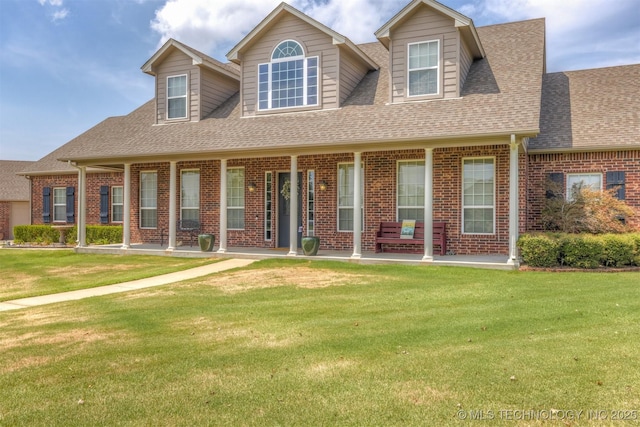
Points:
(465, 63)
(216, 89)
(314, 42)
(425, 25)
(177, 63)
(352, 71)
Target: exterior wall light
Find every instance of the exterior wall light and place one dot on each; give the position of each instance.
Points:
(323, 185)
(251, 187)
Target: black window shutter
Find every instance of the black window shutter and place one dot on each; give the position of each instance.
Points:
(46, 205)
(71, 207)
(616, 179)
(104, 204)
(556, 178)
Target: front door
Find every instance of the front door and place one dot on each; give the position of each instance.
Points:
(284, 209)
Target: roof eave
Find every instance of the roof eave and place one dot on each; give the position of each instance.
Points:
(197, 60)
(464, 23)
(235, 54)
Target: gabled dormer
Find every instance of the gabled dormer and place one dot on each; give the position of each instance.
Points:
(431, 49)
(290, 62)
(189, 84)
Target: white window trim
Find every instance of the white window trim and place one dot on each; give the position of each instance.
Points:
(311, 190)
(182, 207)
(437, 68)
(268, 206)
(244, 200)
(398, 207)
(53, 204)
(494, 206)
(304, 77)
(113, 204)
(574, 174)
(140, 200)
(185, 96)
(338, 207)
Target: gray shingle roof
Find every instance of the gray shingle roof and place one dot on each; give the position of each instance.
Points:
(501, 96)
(13, 187)
(590, 110)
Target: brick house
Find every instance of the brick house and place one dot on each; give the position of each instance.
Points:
(437, 121)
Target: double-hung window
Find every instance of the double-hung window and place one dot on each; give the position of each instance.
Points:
(411, 190)
(289, 80)
(190, 195)
(478, 196)
(148, 199)
(576, 181)
(177, 97)
(345, 196)
(235, 198)
(423, 67)
(117, 204)
(59, 205)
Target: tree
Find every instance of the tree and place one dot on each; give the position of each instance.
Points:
(585, 211)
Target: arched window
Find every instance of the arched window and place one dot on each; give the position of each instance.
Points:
(289, 80)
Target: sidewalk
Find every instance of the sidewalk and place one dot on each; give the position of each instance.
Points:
(126, 286)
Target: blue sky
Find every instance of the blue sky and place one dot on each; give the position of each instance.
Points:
(66, 65)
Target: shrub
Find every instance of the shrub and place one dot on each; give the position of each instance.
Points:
(46, 234)
(581, 251)
(618, 250)
(104, 234)
(41, 234)
(539, 250)
(636, 250)
(586, 211)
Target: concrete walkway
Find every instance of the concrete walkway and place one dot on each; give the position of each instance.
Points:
(126, 286)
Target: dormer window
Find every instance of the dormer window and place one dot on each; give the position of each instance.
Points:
(177, 97)
(423, 68)
(289, 80)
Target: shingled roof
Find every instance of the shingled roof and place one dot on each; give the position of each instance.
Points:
(501, 96)
(590, 110)
(13, 187)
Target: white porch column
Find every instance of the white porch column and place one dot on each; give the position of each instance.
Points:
(428, 205)
(126, 208)
(513, 201)
(293, 203)
(172, 205)
(357, 205)
(82, 207)
(223, 207)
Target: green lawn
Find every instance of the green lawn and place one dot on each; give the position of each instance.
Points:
(317, 343)
(27, 273)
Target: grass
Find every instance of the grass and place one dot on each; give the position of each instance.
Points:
(319, 343)
(28, 273)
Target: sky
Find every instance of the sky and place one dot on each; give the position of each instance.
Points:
(66, 65)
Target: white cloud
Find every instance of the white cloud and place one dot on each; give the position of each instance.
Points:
(214, 28)
(209, 26)
(60, 14)
(572, 25)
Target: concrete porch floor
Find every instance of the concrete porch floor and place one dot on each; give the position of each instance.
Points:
(497, 262)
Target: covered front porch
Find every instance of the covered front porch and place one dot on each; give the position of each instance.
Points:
(495, 262)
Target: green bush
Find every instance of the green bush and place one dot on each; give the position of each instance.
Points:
(539, 250)
(582, 251)
(618, 250)
(636, 250)
(104, 234)
(46, 234)
(40, 234)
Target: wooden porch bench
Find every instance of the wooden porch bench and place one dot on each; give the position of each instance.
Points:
(190, 227)
(389, 233)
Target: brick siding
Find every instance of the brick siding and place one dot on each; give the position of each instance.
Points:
(380, 170)
(5, 212)
(540, 165)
